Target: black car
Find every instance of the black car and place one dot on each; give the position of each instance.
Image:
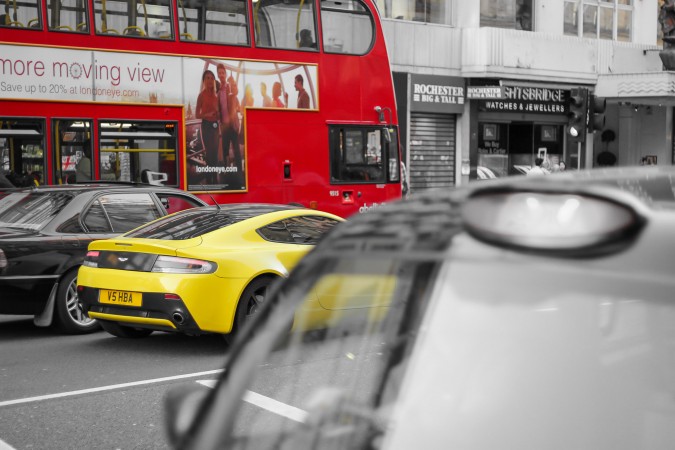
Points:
(520, 313)
(44, 234)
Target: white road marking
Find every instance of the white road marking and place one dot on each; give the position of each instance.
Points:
(106, 388)
(275, 406)
(5, 446)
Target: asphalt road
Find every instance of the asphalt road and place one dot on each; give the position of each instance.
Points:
(93, 391)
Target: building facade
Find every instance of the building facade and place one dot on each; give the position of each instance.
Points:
(483, 87)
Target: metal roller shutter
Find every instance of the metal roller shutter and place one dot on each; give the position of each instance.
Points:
(432, 150)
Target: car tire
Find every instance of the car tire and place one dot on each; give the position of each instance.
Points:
(251, 299)
(122, 331)
(68, 315)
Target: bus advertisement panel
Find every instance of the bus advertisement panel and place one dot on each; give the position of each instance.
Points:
(266, 101)
(101, 76)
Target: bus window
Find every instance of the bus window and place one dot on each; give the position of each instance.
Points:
(144, 18)
(72, 151)
(347, 26)
(285, 24)
(224, 21)
(68, 15)
(363, 155)
(22, 14)
(22, 150)
(128, 151)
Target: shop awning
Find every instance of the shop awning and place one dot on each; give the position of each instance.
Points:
(647, 88)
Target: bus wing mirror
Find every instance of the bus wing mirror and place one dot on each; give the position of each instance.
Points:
(387, 135)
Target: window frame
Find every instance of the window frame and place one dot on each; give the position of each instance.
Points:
(58, 7)
(366, 12)
(130, 137)
(295, 222)
(96, 201)
(257, 39)
(58, 165)
(185, 36)
(511, 14)
(36, 133)
(616, 7)
(133, 30)
(338, 158)
(412, 12)
(13, 20)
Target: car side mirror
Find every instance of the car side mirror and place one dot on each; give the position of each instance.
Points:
(182, 406)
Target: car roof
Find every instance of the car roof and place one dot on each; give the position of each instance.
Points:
(253, 208)
(206, 219)
(93, 185)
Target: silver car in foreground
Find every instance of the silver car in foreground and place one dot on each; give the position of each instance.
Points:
(516, 314)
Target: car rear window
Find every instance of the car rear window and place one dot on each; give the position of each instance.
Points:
(191, 223)
(121, 212)
(298, 230)
(31, 210)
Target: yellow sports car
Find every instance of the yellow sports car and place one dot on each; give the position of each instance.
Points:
(202, 270)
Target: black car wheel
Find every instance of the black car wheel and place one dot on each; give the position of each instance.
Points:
(251, 300)
(68, 315)
(124, 332)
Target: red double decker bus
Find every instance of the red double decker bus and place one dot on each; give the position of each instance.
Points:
(285, 101)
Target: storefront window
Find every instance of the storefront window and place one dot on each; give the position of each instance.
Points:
(429, 11)
(511, 148)
(493, 154)
(603, 19)
(512, 14)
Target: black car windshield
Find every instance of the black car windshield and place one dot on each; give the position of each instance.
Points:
(196, 222)
(31, 210)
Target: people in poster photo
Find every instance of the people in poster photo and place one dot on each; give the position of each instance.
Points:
(216, 151)
(207, 111)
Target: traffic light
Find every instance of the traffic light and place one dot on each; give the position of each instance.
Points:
(596, 113)
(576, 114)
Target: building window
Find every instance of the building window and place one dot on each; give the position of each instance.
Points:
(602, 19)
(429, 11)
(512, 14)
